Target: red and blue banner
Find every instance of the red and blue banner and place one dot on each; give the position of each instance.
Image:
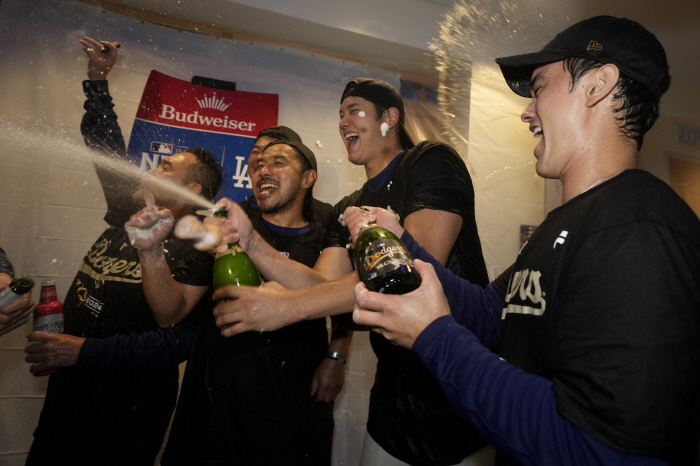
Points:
(175, 114)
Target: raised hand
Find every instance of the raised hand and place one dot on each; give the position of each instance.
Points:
(99, 63)
(148, 227)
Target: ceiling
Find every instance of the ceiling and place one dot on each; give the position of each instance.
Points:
(395, 34)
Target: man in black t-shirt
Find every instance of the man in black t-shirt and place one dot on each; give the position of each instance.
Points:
(597, 323)
(90, 417)
(263, 398)
(429, 187)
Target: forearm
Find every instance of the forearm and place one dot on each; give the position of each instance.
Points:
(325, 299)
(164, 294)
(275, 267)
(476, 308)
(515, 411)
(341, 336)
(153, 351)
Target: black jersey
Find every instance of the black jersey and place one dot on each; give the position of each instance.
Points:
(88, 415)
(409, 416)
(603, 302)
(245, 400)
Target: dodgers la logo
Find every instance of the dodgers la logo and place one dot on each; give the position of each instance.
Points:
(241, 176)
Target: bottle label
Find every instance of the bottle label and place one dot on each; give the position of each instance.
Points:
(48, 293)
(7, 296)
(383, 256)
(232, 250)
(52, 323)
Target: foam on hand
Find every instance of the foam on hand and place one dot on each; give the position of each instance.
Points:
(206, 237)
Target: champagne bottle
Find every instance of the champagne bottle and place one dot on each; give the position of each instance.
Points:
(16, 288)
(234, 267)
(383, 263)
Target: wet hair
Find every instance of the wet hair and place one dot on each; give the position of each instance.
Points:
(208, 172)
(639, 106)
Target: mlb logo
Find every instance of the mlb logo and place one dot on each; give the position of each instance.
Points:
(161, 148)
(285, 254)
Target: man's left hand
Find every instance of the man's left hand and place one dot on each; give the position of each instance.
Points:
(401, 318)
(52, 351)
(328, 380)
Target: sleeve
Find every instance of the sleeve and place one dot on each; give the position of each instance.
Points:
(6, 265)
(101, 132)
(474, 307)
(626, 354)
(438, 179)
(194, 268)
(514, 410)
(152, 351)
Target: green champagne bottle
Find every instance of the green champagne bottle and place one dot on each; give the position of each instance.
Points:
(383, 263)
(15, 289)
(234, 267)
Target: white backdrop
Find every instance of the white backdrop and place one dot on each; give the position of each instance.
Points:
(52, 205)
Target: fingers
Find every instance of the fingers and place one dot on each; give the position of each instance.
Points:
(361, 314)
(149, 197)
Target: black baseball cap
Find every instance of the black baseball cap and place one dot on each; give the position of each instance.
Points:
(298, 145)
(279, 132)
(381, 93)
(606, 39)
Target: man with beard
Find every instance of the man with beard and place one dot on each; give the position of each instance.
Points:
(259, 398)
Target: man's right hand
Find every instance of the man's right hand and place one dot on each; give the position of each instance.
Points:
(99, 63)
(236, 227)
(149, 227)
(16, 313)
(262, 308)
(357, 217)
(52, 351)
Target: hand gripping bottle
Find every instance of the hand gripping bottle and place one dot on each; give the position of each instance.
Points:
(48, 314)
(383, 263)
(16, 288)
(234, 267)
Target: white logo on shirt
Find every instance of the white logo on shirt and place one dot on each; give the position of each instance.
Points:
(561, 239)
(525, 286)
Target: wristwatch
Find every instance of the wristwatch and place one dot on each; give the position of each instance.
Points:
(337, 356)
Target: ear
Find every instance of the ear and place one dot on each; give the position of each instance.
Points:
(392, 117)
(601, 84)
(308, 178)
(195, 187)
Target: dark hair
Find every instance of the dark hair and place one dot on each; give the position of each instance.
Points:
(208, 172)
(307, 210)
(639, 106)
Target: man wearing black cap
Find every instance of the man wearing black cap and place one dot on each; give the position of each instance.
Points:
(599, 336)
(428, 186)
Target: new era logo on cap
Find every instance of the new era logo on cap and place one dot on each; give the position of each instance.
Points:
(594, 45)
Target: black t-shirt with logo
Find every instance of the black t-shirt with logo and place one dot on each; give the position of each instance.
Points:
(89, 416)
(603, 301)
(409, 416)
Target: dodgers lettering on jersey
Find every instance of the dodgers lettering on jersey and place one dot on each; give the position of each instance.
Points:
(101, 267)
(525, 294)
